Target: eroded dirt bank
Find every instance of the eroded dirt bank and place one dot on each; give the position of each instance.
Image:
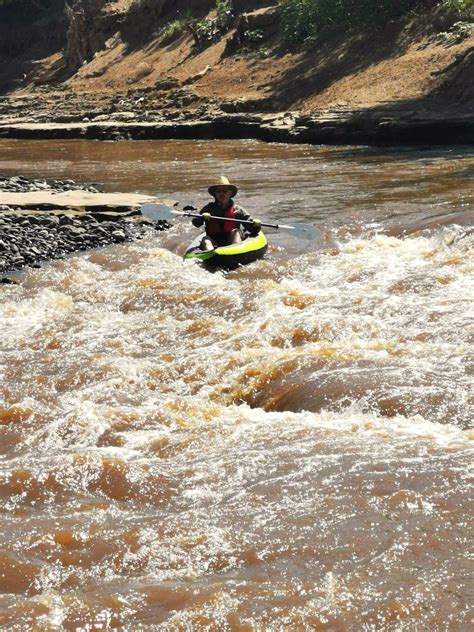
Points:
(119, 72)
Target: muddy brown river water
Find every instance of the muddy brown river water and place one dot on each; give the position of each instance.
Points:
(287, 446)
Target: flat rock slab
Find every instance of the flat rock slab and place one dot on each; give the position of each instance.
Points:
(83, 200)
(373, 127)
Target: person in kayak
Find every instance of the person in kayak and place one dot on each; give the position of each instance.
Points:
(221, 232)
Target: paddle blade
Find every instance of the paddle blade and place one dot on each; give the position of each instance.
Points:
(302, 231)
(156, 212)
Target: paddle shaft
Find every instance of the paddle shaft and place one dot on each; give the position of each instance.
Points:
(232, 219)
(159, 212)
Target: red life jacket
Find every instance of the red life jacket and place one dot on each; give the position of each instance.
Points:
(217, 227)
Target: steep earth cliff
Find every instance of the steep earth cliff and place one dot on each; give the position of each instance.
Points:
(145, 59)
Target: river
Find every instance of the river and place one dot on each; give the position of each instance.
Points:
(281, 447)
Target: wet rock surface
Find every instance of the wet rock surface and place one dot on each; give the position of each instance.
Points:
(142, 114)
(241, 121)
(28, 238)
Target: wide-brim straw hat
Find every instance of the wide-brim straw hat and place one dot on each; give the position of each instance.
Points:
(223, 182)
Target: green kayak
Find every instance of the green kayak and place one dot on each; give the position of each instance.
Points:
(229, 257)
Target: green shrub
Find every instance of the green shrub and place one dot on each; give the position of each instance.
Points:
(224, 6)
(462, 7)
(253, 38)
(174, 29)
(263, 52)
(211, 29)
(299, 21)
(303, 20)
(458, 32)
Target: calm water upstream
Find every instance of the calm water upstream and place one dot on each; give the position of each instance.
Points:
(282, 447)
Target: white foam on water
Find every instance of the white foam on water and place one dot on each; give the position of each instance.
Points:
(136, 323)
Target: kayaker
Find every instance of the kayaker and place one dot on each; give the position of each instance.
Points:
(222, 232)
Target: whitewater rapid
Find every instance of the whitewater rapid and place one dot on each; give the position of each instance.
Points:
(284, 446)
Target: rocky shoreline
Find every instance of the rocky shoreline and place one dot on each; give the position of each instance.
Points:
(141, 115)
(333, 127)
(33, 236)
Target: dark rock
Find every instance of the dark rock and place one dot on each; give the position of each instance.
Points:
(65, 220)
(101, 231)
(90, 219)
(8, 281)
(48, 220)
(118, 235)
(74, 231)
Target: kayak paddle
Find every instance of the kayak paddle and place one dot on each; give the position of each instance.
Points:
(158, 212)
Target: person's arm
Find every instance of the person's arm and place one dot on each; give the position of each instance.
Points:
(241, 213)
(199, 221)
